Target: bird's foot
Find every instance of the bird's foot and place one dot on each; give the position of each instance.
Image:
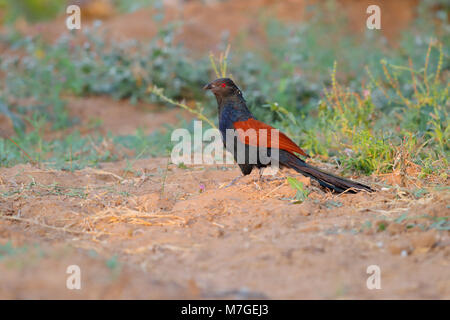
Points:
(268, 177)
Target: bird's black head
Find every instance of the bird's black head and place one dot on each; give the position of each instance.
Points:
(223, 87)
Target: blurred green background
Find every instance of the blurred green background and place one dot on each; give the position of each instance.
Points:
(370, 101)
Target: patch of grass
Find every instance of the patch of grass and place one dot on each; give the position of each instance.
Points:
(181, 165)
(131, 6)
(121, 70)
(381, 226)
(351, 100)
(113, 263)
(369, 139)
(330, 204)
(31, 10)
(9, 250)
(75, 152)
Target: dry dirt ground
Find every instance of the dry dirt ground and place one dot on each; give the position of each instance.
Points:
(150, 229)
(158, 231)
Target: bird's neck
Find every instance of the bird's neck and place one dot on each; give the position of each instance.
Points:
(235, 100)
(232, 109)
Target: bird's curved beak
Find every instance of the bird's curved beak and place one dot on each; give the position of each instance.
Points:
(208, 86)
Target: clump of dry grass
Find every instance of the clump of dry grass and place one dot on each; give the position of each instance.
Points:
(123, 214)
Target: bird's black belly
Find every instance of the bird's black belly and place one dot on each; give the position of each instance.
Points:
(248, 157)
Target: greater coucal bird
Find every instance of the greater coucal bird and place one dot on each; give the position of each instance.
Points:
(234, 115)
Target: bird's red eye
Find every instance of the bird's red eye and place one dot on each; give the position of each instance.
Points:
(223, 85)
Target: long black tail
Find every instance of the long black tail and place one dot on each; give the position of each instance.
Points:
(325, 179)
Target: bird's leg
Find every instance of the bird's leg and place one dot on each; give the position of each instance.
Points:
(261, 170)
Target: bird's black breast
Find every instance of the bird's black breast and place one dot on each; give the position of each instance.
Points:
(230, 112)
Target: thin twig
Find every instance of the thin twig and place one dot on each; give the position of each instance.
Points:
(159, 92)
(14, 218)
(24, 152)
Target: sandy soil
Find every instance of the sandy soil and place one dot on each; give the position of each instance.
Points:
(182, 233)
(146, 229)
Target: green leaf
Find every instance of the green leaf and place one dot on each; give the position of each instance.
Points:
(302, 193)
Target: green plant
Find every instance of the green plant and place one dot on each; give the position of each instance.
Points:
(301, 193)
(393, 114)
(31, 10)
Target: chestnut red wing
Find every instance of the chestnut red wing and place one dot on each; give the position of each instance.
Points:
(263, 140)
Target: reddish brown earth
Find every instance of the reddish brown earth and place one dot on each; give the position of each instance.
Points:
(146, 229)
(100, 115)
(203, 24)
(121, 117)
(168, 239)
